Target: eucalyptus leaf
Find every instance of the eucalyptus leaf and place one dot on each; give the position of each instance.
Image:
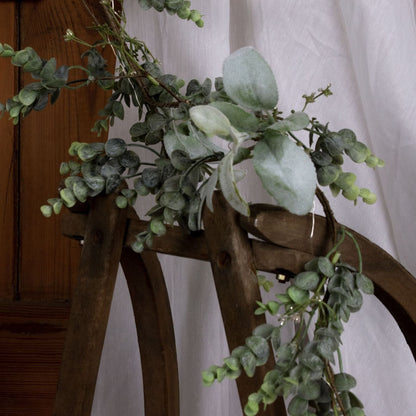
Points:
(344, 381)
(248, 361)
(264, 330)
(299, 296)
(308, 280)
(260, 348)
(297, 406)
(27, 97)
(249, 81)
(48, 70)
(286, 172)
(115, 147)
(364, 283)
(310, 390)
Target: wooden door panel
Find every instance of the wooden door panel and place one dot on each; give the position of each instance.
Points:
(31, 344)
(48, 262)
(8, 163)
(38, 267)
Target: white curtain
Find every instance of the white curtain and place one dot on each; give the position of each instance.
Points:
(367, 50)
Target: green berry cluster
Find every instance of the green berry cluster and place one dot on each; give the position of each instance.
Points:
(34, 96)
(96, 168)
(328, 157)
(182, 8)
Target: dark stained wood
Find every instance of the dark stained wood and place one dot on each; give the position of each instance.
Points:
(178, 242)
(90, 307)
(395, 286)
(49, 263)
(237, 287)
(30, 356)
(8, 166)
(154, 331)
(288, 246)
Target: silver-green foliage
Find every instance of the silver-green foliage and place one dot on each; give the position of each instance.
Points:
(303, 373)
(197, 137)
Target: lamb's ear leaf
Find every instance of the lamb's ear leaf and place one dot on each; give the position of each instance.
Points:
(286, 172)
(229, 187)
(249, 81)
(210, 120)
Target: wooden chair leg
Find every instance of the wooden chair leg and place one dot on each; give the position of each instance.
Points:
(103, 242)
(155, 332)
(232, 263)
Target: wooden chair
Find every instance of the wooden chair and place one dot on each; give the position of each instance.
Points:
(281, 244)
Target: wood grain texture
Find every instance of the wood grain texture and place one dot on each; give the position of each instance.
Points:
(288, 247)
(8, 166)
(90, 307)
(235, 278)
(31, 344)
(155, 332)
(48, 262)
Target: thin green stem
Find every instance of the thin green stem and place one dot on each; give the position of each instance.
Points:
(299, 141)
(144, 147)
(340, 241)
(360, 259)
(341, 368)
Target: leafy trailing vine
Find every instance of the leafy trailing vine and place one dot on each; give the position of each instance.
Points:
(176, 124)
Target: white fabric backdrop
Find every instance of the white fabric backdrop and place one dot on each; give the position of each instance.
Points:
(367, 50)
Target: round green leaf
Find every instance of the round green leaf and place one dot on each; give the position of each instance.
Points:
(310, 390)
(68, 197)
(259, 346)
(157, 227)
(308, 280)
(297, 406)
(326, 267)
(364, 283)
(121, 202)
(115, 147)
(173, 200)
(286, 172)
(344, 381)
(249, 81)
(327, 174)
(248, 361)
(27, 97)
(46, 211)
(299, 296)
(80, 190)
(358, 152)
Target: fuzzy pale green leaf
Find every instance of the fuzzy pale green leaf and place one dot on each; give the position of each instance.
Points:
(286, 172)
(249, 81)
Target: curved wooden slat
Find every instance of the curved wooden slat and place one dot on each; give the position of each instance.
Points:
(155, 332)
(395, 286)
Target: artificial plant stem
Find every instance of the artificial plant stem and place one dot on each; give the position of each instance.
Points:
(360, 259)
(340, 241)
(331, 381)
(341, 368)
(144, 147)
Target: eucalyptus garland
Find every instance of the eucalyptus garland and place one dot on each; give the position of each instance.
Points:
(176, 124)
